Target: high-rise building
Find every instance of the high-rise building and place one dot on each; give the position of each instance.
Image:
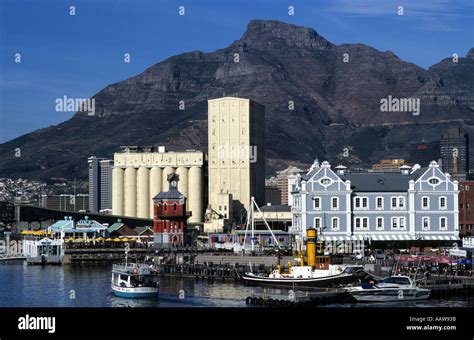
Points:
(140, 172)
(106, 166)
(424, 152)
(454, 149)
(236, 151)
(100, 184)
(282, 181)
(466, 208)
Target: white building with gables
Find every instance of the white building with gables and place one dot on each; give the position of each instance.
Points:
(415, 204)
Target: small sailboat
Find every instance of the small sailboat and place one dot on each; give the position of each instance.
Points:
(134, 280)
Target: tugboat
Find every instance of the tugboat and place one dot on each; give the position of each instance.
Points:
(392, 288)
(319, 271)
(133, 280)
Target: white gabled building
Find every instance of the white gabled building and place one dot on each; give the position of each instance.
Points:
(415, 204)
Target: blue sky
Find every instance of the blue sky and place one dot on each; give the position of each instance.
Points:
(78, 55)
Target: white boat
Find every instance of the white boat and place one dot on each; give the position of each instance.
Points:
(43, 251)
(132, 280)
(392, 288)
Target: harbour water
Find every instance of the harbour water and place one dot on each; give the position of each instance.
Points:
(89, 286)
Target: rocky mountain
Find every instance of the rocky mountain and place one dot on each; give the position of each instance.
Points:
(322, 100)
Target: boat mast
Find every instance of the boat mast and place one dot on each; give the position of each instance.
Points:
(127, 248)
(266, 223)
(253, 224)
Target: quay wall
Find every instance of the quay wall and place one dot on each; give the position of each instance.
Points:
(102, 255)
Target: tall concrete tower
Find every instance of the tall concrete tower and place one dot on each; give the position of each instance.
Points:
(236, 152)
(100, 183)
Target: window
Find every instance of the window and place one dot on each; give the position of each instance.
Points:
(317, 222)
(361, 223)
(398, 223)
(398, 202)
(335, 223)
(364, 202)
(335, 203)
(401, 202)
(317, 203)
(379, 223)
(394, 202)
(402, 223)
(425, 202)
(361, 203)
(326, 181)
(425, 225)
(433, 181)
(379, 203)
(443, 223)
(442, 203)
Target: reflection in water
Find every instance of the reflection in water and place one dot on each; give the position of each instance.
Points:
(50, 286)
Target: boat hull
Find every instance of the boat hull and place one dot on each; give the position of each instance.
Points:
(392, 295)
(135, 292)
(323, 282)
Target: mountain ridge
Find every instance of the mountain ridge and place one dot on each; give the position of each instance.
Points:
(336, 103)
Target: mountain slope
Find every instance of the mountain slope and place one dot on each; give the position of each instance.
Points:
(336, 104)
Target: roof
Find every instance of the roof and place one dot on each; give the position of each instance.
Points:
(376, 181)
(141, 230)
(115, 227)
(171, 194)
(69, 226)
(275, 208)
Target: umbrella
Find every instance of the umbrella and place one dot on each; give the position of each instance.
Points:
(133, 239)
(108, 239)
(69, 239)
(125, 239)
(90, 240)
(99, 239)
(78, 239)
(117, 239)
(25, 232)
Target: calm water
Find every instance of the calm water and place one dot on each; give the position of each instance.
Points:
(52, 286)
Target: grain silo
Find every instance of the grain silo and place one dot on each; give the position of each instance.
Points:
(130, 192)
(143, 192)
(117, 191)
(155, 186)
(140, 174)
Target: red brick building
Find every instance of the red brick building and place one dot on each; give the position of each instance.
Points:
(466, 208)
(169, 216)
